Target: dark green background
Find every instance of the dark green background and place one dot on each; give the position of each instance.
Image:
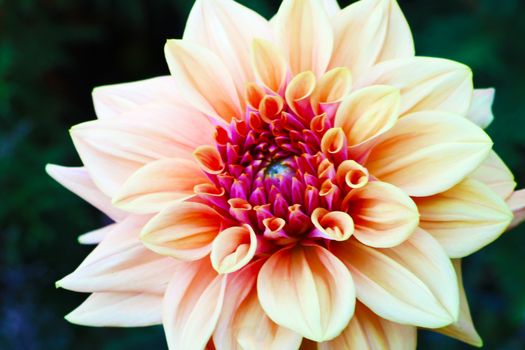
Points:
(53, 52)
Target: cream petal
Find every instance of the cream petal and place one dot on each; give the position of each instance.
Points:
(384, 216)
(308, 290)
(192, 305)
(78, 181)
(366, 330)
(368, 32)
(184, 231)
(227, 28)
(368, 113)
(428, 152)
(118, 310)
(96, 236)
(464, 218)
(495, 174)
(331, 7)
(203, 79)
(333, 225)
(463, 329)
(413, 283)
(516, 203)
(480, 112)
(330, 91)
(159, 184)
(121, 263)
(233, 248)
(303, 31)
(425, 83)
(269, 65)
(299, 90)
(350, 174)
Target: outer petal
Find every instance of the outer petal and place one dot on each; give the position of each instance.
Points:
(465, 218)
(243, 324)
(203, 79)
(413, 283)
(480, 111)
(429, 152)
(384, 216)
(96, 236)
(78, 181)
(495, 174)
(463, 329)
(192, 305)
(307, 289)
(368, 32)
(516, 203)
(184, 231)
(425, 83)
(268, 64)
(121, 263)
(366, 330)
(158, 184)
(227, 28)
(233, 248)
(118, 310)
(331, 7)
(303, 31)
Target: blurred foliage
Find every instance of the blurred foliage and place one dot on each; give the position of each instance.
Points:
(53, 52)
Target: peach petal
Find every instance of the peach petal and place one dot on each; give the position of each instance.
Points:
(352, 174)
(270, 108)
(269, 65)
(308, 290)
(331, 89)
(203, 79)
(192, 305)
(96, 236)
(233, 248)
(494, 173)
(429, 152)
(159, 184)
(333, 225)
(384, 216)
(118, 310)
(369, 32)
(480, 112)
(334, 144)
(209, 159)
(299, 90)
(307, 20)
(464, 218)
(516, 203)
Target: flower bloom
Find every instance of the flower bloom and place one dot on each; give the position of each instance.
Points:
(296, 181)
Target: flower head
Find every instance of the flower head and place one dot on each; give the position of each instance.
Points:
(307, 177)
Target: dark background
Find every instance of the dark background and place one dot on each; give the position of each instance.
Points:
(53, 52)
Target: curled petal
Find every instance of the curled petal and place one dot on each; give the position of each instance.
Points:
(331, 89)
(184, 231)
(480, 112)
(384, 216)
(464, 218)
(429, 152)
(192, 305)
(516, 203)
(209, 159)
(307, 20)
(299, 90)
(233, 248)
(269, 65)
(158, 184)
(118, 310)
(334, 144)
(495, 174)
(368, 32)
(366, 330)
(352, 174)
(334, 225)
(203, 79)
(413, 283)
(308, 290)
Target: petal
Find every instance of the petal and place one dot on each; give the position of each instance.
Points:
(243, 323)
(308, 290)
(113, 149)
(159, 184)
(480, 112)
(203, 79)
(121, 263)
(334, 225)
(304, 34)
(495, 174)
(331, 7)
(268, 64)
(413, 283)
(429, 152)
(184, 231)
(78, 181)
(367, 113)
(366, 330)
(227, 28)
(96, 236)
(463, 329)
(368, 32)
(516, 203)
(118, 310)
(384, 216)
(330, 91)
(233, 248)
(192, 305)
(465, 218)
(425, 83)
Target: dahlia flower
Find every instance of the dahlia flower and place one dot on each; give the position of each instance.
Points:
(300, 182)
